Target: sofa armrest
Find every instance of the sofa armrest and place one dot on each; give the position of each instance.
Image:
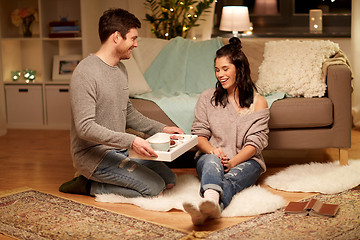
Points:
(339, 90)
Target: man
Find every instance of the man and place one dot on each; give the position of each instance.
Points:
(101, 111)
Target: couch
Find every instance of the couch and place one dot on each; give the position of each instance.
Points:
(295, 122)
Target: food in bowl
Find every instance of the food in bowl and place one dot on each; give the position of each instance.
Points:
(176, 137)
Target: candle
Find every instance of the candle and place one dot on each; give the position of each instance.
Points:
(315, 20)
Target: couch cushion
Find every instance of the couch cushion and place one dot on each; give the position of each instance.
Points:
(301, 113)
(147, 50)
(151, 110)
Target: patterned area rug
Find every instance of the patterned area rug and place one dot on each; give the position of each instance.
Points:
(36, 215)
(278, 225)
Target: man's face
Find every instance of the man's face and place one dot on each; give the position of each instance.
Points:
(125, 46)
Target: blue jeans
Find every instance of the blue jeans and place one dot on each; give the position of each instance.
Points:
(212, 175)
(118, 174)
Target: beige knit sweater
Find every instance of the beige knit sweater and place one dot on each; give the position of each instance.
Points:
(228, 130)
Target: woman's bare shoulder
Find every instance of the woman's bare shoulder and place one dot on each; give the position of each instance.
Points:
(260, 102)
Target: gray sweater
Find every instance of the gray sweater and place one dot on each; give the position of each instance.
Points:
(101, 111)
(226, 129)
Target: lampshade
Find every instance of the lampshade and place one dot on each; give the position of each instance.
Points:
(235, 18)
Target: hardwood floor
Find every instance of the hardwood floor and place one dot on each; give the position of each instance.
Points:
(40, 159)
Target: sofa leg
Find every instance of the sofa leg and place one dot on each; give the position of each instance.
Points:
(344, 156)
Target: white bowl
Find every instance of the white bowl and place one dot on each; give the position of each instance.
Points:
(160, 142)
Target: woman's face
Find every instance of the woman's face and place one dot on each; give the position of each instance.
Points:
(225, 73)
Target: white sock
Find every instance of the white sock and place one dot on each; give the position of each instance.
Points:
(210, 208)
(197, 217)
(212, 194)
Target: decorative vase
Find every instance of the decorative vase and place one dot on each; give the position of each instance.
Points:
(26, 25)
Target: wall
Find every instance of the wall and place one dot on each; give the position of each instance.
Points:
(355, 60)
(93, 9)
(2, 102)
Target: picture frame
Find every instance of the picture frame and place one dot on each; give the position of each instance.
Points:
(63, 66)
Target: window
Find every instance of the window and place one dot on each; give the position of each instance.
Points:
(292, 16)
(327, 6)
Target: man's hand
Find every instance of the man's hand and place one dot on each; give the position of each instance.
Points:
(172, 130)
(142, 147)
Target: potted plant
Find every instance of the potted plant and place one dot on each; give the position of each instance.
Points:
(172, 18)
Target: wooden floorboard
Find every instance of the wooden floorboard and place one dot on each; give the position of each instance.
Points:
(40, 159)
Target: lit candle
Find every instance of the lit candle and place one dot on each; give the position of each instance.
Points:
(15, 75)
(315, 20)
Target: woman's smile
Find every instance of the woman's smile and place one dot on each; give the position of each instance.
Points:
(223, 81)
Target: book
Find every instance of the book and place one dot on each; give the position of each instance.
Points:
(297, 208)
(63, 23)
(64, 34)
(64, 28)
(312, 207)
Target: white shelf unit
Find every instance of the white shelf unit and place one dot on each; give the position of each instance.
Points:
(17, 53)
(36, 53)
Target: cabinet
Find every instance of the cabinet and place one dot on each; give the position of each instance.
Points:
(42, 103)
(24, 105)
(58, 106)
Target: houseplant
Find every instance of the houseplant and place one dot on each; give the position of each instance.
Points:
(172, 18)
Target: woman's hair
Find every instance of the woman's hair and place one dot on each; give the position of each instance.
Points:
(243, 81)
(114, 20)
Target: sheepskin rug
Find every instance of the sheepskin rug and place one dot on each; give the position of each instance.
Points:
(252, 201)
(327, 178)
(295, 67)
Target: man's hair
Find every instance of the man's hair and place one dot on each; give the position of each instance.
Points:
(114, 20)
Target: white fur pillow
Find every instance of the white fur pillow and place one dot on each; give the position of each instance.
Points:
(295, 67)
(137, 82)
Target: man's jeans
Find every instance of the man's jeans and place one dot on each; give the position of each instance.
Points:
(118, 174)
(212, 175)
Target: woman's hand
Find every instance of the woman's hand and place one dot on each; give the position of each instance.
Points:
(246, 153)
(219, 152)
(228, 164)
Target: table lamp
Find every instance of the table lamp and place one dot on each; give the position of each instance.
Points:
(235, 19)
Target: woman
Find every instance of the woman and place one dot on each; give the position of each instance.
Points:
(231, 122)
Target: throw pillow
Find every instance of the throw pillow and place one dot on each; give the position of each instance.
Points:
(136, 81)
(147, 50)
(295, 67)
